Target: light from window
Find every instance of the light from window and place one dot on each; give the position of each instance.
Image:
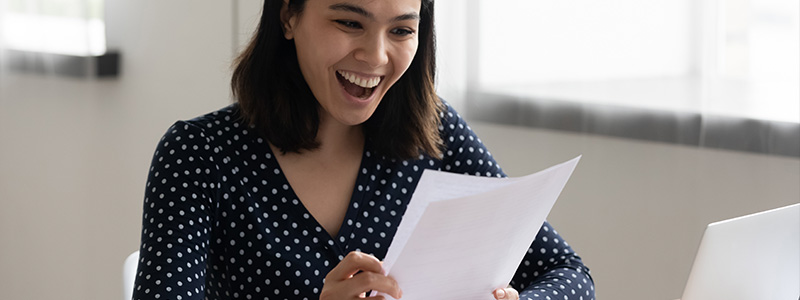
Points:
(725, 57)
(71, 27)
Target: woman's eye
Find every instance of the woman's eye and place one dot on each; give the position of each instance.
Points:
(402, 31)
(349, 24)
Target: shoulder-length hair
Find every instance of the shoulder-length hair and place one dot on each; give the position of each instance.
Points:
(274, 97)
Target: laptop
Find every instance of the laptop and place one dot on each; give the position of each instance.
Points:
(754, 257)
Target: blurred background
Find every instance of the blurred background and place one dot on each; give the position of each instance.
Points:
(686, 112)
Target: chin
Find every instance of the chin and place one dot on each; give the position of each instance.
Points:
(356, 118)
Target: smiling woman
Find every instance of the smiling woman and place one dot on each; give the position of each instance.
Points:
(347, 39)
(297, 189)
(369, 46)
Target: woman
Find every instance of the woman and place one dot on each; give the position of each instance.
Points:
(296, 190)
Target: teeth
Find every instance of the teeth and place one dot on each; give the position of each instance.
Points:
(362, 82)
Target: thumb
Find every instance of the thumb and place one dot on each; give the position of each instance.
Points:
(499, 294)
(506, 294)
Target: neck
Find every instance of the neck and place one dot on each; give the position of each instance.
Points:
(337, 138)
(338, 142)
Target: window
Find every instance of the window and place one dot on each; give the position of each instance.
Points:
(69, 27)
(699, 61)
(728, 57)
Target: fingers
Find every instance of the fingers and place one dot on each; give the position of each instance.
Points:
(506, 294)
(367, 281)
(355, 275)
(359, 285)
(353, 263)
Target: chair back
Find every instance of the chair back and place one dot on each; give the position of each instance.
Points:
(129, 275)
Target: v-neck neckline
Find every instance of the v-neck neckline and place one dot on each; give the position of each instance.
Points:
(354, 206)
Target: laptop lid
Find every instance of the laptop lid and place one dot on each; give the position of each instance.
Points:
(753, 257)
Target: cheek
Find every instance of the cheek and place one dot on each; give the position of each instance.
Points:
(328, 49)
(404, 58)
(318, 50)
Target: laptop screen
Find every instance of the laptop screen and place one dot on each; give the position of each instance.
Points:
(751, 257)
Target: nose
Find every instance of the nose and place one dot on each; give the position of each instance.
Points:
(373, 51)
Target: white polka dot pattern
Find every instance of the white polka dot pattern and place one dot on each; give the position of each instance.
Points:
(221, 221)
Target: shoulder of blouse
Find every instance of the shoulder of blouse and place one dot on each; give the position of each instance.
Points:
(226, 116)
(463, 151)
(197, 144)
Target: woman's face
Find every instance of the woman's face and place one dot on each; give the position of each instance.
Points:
(352, 51)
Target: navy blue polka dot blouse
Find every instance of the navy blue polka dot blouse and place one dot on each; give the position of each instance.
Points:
(221, 221)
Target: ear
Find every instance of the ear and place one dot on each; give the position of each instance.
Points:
(287, 20)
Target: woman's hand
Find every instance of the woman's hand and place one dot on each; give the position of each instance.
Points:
(355, 275)
(506, 294)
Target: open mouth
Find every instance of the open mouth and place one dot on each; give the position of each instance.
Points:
(356, 86)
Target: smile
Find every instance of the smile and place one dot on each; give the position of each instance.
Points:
(357, 86)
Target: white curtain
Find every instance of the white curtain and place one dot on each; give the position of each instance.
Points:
(710, 73)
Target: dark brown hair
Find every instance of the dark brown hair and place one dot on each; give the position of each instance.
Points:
(274, 97)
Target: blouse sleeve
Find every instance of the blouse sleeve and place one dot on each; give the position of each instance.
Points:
(176, 218)
(550, 268)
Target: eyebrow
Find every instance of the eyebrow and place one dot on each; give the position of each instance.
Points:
(361, 11)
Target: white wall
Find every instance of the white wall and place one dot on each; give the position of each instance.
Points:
(74, 156)
(74, 153)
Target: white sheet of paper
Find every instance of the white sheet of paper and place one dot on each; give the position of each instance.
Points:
(463, 236)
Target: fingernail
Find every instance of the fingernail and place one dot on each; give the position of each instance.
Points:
(501, 293)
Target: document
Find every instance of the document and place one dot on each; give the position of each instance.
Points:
(464, 236)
